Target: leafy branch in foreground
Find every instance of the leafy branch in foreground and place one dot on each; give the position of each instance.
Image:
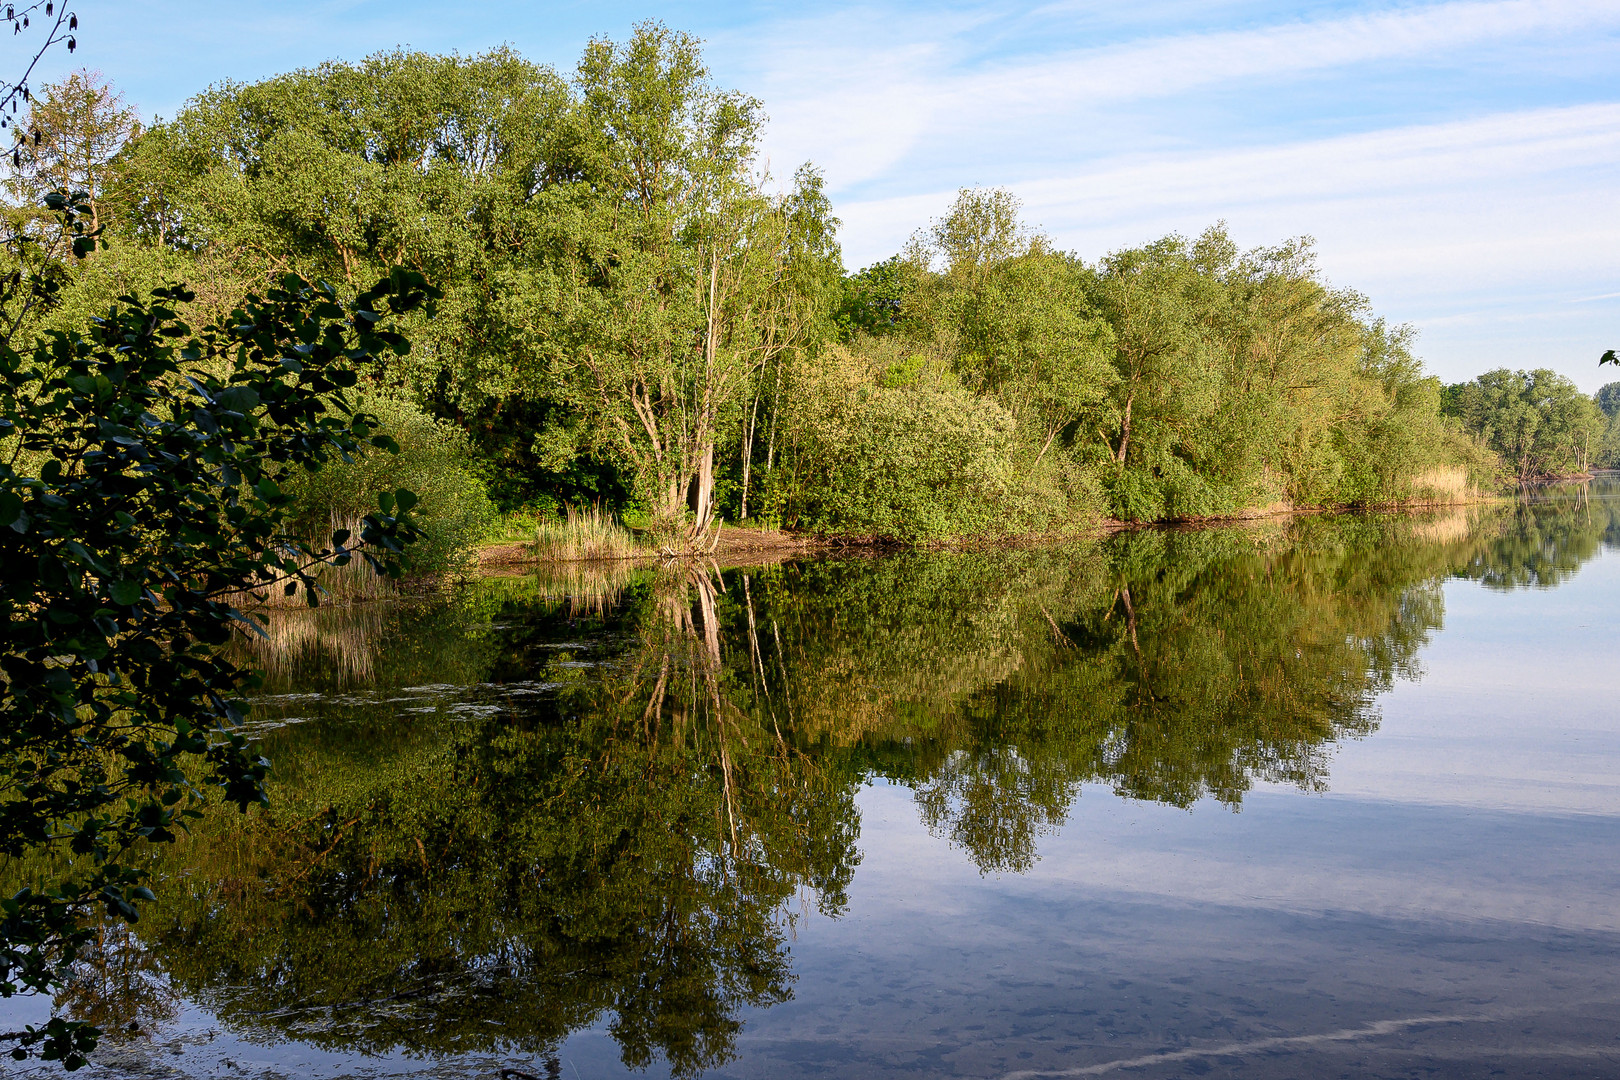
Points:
(141, 515)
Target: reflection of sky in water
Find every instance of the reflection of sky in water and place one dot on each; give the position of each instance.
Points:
(1449, 906)
(1518, 708)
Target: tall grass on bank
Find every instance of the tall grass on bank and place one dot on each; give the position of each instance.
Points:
(588, 534)
(1443, 485)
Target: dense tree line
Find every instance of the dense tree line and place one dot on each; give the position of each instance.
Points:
(635, 313)
(1538, 422)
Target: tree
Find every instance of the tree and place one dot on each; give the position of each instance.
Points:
(1149, 297)
(1539, 421)
(618, 277)
(1608, 399)
(73, 132)
(872, 301)
(143, 513)
(684, 277)
(1022, 324)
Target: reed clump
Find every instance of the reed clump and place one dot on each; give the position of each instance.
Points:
(1443, 485)
(588, 534)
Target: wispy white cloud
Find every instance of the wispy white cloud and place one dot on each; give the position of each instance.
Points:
(860, 92)
(1172, 65)
(1471, 173)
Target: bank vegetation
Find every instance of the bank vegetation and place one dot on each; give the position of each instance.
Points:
(640, 319)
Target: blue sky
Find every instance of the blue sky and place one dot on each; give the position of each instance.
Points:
(1458, 162)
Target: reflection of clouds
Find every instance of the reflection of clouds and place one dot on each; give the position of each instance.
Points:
(1285, 853)
(1517, 709)
(1491, 792)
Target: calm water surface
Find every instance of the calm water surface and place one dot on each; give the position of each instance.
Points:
(1329, 797)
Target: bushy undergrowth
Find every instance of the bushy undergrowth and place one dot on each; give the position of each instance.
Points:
(434, 461)
(903, 450)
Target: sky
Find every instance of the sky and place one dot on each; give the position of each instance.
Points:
(1457, 162)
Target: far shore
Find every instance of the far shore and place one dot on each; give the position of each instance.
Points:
(739, 545)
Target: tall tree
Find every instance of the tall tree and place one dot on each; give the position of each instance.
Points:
(68, 141)
(685, 277)
(1017, 314)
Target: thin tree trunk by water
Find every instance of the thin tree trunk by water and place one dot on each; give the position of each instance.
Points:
(748, 457)
(1125, 428)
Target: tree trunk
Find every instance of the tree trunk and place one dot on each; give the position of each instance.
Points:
(1125, 428)
(748, 458)
(1047, 445)
(703, 507)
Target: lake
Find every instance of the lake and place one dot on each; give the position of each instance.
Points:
(1316, 796)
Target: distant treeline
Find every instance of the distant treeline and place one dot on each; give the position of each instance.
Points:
(636, 315)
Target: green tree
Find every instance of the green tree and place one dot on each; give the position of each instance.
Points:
(685, 281)
(445, 165)
(1608, 398)
(142, 512)
(1539, 422)
(872, 301)
(69, 141)
(1018, 316)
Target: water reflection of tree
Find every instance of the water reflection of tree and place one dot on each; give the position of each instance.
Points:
(1543, 539)
(626, 847)
(119, 985)
(1170, 666)
(629, 851)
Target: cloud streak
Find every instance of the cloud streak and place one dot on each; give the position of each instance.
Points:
(1174, 65)
(861, 103)
(1480, 231)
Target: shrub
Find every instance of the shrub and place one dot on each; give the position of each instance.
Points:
(455, 512)
(1135, 495)
(903, 450)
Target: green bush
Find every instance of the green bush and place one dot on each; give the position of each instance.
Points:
(919, 458)
(434, 459)
(1190, 495)
(1135, 495)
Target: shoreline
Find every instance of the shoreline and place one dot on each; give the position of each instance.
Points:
(737, 545)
